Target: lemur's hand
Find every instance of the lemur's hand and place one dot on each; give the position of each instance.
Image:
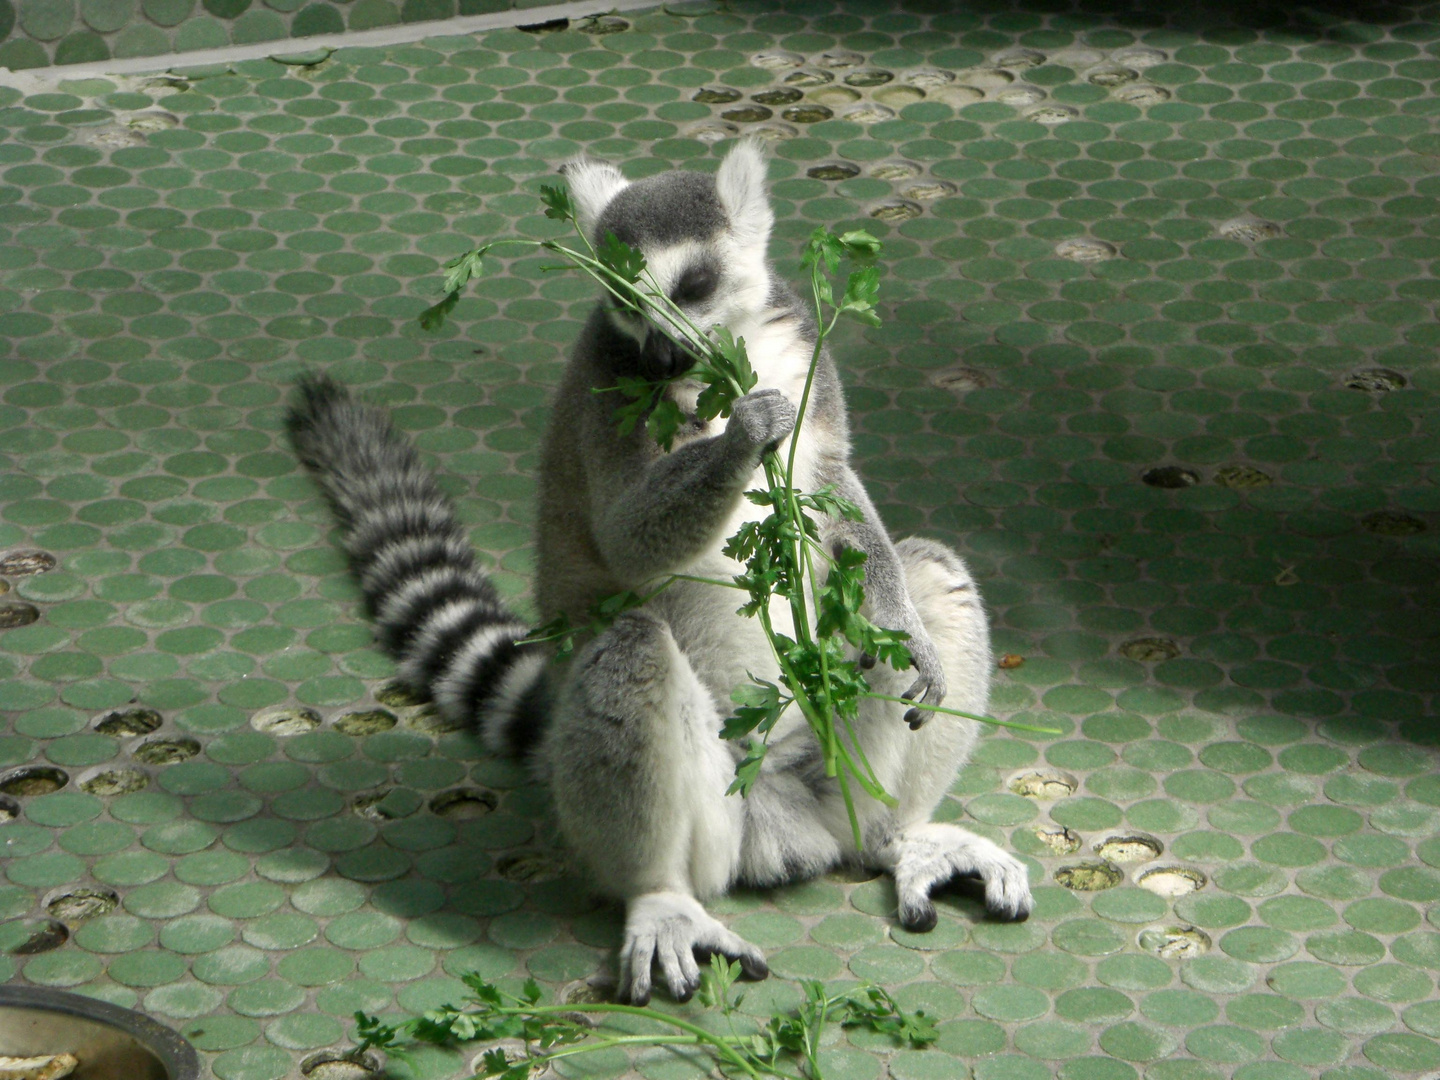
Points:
(929, 686)
(761, 419)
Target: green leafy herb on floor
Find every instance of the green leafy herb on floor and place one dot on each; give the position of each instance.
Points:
(787, 1046)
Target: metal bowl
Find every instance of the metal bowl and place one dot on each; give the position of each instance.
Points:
(112, 1043)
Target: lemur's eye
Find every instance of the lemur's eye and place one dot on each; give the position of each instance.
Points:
(696, 284)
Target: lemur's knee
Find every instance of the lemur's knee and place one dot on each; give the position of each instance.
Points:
(626, 671)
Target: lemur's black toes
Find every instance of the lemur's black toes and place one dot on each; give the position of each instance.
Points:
(1008, 912)
(685, 991)
(754, 967)
(919, 917)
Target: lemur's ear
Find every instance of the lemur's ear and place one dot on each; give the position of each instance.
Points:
(740, 182)
(592, 185)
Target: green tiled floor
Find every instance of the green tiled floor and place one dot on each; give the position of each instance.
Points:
(1159, 355)
(36, 33)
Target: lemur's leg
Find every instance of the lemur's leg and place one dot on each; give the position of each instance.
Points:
(918, 767)
(639, 778)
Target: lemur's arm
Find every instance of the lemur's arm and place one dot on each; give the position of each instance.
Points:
(671, 507)
(885, 588)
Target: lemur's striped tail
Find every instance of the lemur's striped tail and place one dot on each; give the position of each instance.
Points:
(435, 611)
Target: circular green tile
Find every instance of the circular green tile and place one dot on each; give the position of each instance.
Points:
(1393, 983)
(268, 997)
(968, 968)
(1355, 1016)
(197, 933)
(1135, 1041)
(1305, 980)
(1010, 1003)
(1264, 1012)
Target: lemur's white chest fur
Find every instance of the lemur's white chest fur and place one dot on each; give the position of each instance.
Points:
(705, 247)
(726, 648)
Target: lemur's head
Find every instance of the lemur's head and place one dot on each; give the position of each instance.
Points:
(703, 238)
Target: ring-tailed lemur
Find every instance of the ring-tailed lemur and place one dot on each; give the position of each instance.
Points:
(627, 733)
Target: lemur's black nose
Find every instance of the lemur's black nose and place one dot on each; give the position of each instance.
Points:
(662, 357)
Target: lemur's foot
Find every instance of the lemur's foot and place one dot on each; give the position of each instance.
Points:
(671, 929)
(927, 856)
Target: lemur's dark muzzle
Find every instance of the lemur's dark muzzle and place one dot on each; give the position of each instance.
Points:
(662, 357)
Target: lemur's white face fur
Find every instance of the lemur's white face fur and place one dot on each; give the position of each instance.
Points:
(704, 238)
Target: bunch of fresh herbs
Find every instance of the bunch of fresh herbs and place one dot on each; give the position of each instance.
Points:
(787, 1046)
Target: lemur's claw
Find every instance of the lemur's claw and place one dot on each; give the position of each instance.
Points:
(753, 966)
(919, 916)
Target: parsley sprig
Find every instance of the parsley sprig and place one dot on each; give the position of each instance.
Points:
(787, 1046)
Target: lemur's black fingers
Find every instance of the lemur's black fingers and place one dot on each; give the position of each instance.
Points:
(866, 661)
(918, 915)
(753, 965)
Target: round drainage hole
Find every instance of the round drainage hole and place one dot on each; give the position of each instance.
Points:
(283, 722)
(784, 95)
(166, 751)
(1047, 784)
(1241, 477)
(464, 804)
(30, 936)
(1090, 876)
(961, 380)
(834, 170)
(1172, 881)
(34, 780)
(747, 114)
(529, 867)
(1060, 840)
(106, 783)
(896, 210)
(429, 721)
(1111, 76)
(600, 25)
(387, 804)
(77, 905)
(13, 615)
(807, 78)
(1249, 229)
(1392, 523)
(716, 95)
(1149, 649)
(1170, 476)
(1084, 249)
(1175, 942)
(1375, 380)
(365, 723)
(25, 563)
(808, 114)
(596, 990)
(333, 1065)
(128, 722)
(1130, 848)
(399, 696)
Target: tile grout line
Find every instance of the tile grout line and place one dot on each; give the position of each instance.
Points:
(32, 79)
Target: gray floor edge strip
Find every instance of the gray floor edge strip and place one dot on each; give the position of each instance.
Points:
(31, 79)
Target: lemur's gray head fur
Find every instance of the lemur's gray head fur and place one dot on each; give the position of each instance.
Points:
(704, 239)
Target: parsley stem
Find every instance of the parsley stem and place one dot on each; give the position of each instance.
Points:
(966, 715)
